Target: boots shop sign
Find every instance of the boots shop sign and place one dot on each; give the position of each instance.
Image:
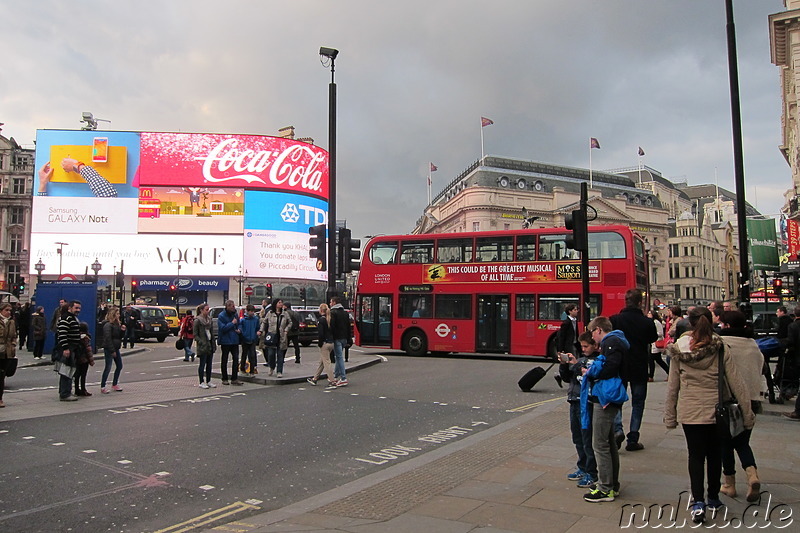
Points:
(240, 161)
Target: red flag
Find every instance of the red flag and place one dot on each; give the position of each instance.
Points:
(594, 143)
(433, 168)
(486, 122)
(641, 152)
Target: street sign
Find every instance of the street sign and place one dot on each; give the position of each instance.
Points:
(248, 291)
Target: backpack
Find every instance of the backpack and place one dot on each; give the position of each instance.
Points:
(295, 322)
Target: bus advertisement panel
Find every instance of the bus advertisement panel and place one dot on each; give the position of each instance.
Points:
(488, 292)
(132, 196)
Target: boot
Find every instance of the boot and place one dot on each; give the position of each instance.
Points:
(728, 487)
(753, 484)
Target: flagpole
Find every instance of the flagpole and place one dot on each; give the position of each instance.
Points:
(429, 183)
(591, 182)
(482, 152)
(640, 170)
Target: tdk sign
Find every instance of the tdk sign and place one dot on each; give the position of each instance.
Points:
(284, 211)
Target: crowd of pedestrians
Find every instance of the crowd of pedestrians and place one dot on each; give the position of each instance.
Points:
(710, 356)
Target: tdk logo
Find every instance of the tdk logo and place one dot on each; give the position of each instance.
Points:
(312, 216)
(290, 214)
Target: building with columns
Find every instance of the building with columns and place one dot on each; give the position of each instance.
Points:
(690, 230)
(16, 182)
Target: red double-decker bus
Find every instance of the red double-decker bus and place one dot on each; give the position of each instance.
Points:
(488, 292)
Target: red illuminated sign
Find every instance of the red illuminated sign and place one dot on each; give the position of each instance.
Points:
(233, 161)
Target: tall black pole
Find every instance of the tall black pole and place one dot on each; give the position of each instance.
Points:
(585, 291)
(738, 159)
(332, 185)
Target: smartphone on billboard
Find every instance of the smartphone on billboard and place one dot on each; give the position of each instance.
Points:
(100, 150)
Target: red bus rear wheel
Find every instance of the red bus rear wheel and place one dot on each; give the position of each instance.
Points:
(415, 343)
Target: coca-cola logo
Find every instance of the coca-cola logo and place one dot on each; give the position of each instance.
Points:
(295, 166)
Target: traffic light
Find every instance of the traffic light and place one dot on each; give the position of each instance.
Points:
(349, 252)
(316, 246)
(173, 289)
(269, 291)
(21, 285)
(15, 290)
(134, 288)
(777, 286)
(303, 294)
(120, 280)
(579, 238)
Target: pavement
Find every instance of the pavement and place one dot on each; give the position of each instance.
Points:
(507, 478)
(512, 478)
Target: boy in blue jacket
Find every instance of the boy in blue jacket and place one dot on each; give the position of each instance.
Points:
(572, 373)
(613, 350)
(249, 326)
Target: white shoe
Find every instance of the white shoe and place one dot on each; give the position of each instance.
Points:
(212, 385)
(279, 375)
(204, 385)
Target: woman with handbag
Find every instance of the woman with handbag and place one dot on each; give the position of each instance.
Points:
(325, 342)
(275, 332)
(749, 361)
(204, 336)
(657, 348)
(700, 369)
(8, 344)
(187, 334)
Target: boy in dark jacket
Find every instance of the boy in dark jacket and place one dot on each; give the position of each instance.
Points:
(614, 348)
(572, 373)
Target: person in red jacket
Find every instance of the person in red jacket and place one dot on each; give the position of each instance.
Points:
(186, 332)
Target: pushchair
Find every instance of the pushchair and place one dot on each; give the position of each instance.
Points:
(786, 381)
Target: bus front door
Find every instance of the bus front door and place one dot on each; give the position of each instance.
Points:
(493, 324)
(375, 320)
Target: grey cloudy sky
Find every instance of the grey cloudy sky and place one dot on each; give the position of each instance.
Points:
(413, 79)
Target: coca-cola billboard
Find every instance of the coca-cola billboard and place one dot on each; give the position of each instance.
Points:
(245, 161)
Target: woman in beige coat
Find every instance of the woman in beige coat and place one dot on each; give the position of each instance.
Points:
(692, 395)
(749, 362)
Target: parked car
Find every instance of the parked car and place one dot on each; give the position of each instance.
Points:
(171, 314)
(153, 323)
(765, 324)
(308, 327)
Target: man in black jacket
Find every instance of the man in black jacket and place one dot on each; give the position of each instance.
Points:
(567, 338)
(640, 332)
(340, 329)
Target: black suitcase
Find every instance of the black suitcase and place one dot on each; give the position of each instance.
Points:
(532, 377)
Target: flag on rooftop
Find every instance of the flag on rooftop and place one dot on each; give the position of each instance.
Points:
(594, 143)
(486, 122)
(433, 168)
(641, 152)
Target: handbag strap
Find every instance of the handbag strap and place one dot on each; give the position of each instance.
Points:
(721, 372)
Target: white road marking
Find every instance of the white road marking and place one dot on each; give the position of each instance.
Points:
(89, 451)
(125, 462)
(168, 360)
(58, 444)
(161, 474)
(206, 487)
(28, 438)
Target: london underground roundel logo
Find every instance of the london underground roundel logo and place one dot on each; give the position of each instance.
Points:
(290, 213)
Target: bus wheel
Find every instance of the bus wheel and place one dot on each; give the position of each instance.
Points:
(415, 343)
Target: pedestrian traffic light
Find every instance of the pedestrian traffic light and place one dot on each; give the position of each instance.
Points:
(576, 222)
(316, 246)
(269, 291)
(15, 290)
(173, 289)
(349, 252)
(21, 285)
(134, 288)
(120, 280)
(777, 286)
(303, 294)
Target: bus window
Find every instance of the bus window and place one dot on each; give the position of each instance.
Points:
(526, 307)
(417, 252)
(552, 307)
(554, 248)
(526, 247)
(453, 306)
(383, 253)
(494, 249)
(415, 306)
(606, 245)
(454, 250)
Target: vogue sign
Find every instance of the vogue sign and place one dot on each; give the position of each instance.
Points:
(245, 161)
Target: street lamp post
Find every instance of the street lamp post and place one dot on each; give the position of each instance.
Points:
(60, 253)
(96, 268)
(39, 269)
(240, 280)
(178, 289)
(329, 55)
